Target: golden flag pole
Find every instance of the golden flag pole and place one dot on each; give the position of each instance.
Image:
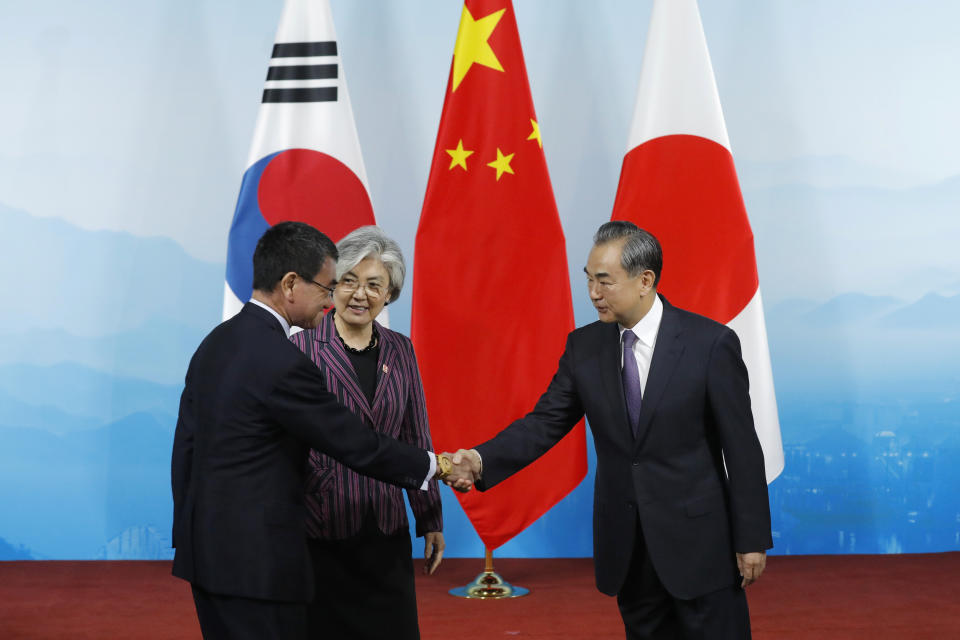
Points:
(489, 585)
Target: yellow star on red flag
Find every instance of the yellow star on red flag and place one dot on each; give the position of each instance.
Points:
(472, 45)
(458, 156)
(535, 134)
(502, 163)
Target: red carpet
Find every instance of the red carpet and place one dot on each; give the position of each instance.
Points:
(875, 597)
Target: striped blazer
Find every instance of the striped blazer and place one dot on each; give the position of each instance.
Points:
(337, 498)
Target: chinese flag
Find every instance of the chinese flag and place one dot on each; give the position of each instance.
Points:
(679, 183)
(491, 291)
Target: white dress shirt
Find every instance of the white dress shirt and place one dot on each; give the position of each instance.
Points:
(646, 331)
(286, 329)
(283, 321)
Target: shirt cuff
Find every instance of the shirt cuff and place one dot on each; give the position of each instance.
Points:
(480, 458)
(431, 472)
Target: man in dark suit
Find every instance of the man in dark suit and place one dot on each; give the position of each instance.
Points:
(680, 505)
(252, 407)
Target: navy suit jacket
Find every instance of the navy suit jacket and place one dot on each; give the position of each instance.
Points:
(695, 415)
(252, 407)
(339, 498)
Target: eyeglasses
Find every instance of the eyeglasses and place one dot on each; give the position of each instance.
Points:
(374, 290)
(322, 286)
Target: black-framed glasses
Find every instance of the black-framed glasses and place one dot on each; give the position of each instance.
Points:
(329, 290)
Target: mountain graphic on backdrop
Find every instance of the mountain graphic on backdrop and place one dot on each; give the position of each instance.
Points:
(850, 309)
(828, 240)
(90, 387)
(99, 283)
(84, 398)
(72, 490)
(932, 311)
(11, 552)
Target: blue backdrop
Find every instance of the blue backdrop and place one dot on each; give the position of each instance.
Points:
(124, 131)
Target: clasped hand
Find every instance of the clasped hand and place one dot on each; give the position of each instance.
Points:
(465, 471)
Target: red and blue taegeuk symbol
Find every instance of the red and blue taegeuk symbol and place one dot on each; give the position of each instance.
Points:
(295, 184)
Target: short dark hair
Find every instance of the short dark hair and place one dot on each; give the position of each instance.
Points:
(641, 251)
(286, 247)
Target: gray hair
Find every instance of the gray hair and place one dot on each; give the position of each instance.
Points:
(371, 241)
(641, 251)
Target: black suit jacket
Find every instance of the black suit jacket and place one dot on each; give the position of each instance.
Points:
(695, 414)
(252, 406)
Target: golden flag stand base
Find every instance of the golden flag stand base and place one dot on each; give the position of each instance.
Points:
(489, 585)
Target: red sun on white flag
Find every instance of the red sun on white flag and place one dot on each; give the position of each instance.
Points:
(679, 182)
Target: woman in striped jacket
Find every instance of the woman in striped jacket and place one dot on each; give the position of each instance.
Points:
(358, 529)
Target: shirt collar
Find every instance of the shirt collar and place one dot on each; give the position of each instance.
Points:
(283, 321)
(646, 330)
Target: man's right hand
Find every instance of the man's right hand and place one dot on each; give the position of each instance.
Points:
(466, 469)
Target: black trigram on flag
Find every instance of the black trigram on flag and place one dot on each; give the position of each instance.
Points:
(302, 72)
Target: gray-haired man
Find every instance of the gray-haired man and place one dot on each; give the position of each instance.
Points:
(676, 534)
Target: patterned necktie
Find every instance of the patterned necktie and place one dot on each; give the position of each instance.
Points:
(630, 375)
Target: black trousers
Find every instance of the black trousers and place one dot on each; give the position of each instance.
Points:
(649, 612)
(364, 587)
(232, 618)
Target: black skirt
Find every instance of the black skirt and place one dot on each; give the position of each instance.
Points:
(364, 587)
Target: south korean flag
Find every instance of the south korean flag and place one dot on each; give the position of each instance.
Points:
(305, 162)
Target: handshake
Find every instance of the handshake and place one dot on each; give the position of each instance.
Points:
(460, 470)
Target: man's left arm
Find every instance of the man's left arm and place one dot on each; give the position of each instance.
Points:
(181, 459)
(728, 392)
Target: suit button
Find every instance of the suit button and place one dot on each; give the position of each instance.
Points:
(629, 505)
(636, 463)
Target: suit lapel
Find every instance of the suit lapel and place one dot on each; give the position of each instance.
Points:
(666, 354)
(610, 356)
(335, 359)
(388, 370)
